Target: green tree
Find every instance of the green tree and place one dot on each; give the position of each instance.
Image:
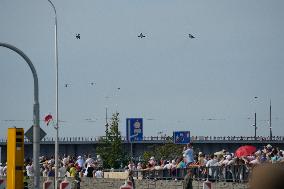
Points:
(166, 151)
(111, 148)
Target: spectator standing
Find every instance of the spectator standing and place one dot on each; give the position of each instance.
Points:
(5, 169)
(72, 170)
(100, 161)
(131, 165)
(188, 154)
(65, 160)
(51, 172)
(89, 160)
(80, 162)
(62, 170)
(188, 181)
(210, 163)
(1, 170)
(45, 171)
(99, 173)
(152, 161)
(30, 170)
(130, 177)
(89, 172)
(180, 163)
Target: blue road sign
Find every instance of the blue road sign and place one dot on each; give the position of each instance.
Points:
(181, 137)
(134, 129)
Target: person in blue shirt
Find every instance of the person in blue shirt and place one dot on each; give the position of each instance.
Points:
(188, 154)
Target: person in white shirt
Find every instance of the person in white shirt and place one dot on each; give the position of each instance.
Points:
(30, 170)
(210, 163)
(80, 162)
(89, 161)
(173, 164)
(62, 170)
(131, 165)
(1, 170)
(5, 169)
(167, 165)
(99, 173)
(65, 160)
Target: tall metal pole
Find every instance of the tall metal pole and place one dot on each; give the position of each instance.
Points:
(106, 125)
(255, 126)
(56, 63)
(255, 98)
(131, 149)
(36, 129)
(270, 125)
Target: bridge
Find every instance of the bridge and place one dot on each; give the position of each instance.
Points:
(84, 145)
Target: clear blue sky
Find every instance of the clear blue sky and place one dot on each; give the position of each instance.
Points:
(206, 85)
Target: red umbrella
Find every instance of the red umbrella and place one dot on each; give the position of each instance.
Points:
(245, 150)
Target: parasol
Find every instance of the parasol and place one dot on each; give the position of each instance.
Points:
(245, 150)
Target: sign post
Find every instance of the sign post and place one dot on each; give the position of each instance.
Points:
(181, 137)
(134, 131)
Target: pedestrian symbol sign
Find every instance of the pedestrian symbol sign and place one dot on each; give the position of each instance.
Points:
(181, 137)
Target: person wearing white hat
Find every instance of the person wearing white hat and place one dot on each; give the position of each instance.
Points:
(152, 161)
(80, 161)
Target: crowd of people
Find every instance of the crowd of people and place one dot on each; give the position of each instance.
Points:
(216, 166)
(189, 158)
(68, 166)
(87, 166)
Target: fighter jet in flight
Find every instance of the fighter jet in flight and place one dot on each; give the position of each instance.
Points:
(191, 36)
(78, 36)
(141, 35)
(67, 84)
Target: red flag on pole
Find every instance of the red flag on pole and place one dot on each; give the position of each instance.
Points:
(48, 119)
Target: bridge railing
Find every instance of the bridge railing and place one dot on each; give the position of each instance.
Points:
(161, 138)
(170, 138)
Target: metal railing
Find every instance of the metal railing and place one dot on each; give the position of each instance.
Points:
(161, 138)
(231, 173)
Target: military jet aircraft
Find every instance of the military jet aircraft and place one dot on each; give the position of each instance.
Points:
(191, 36)
(78, 36)
(141, 35)
(67, 84)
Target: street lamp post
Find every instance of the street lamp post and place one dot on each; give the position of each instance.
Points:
(255, 127)
(270, 126)
(56, 63)
(36, 128)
